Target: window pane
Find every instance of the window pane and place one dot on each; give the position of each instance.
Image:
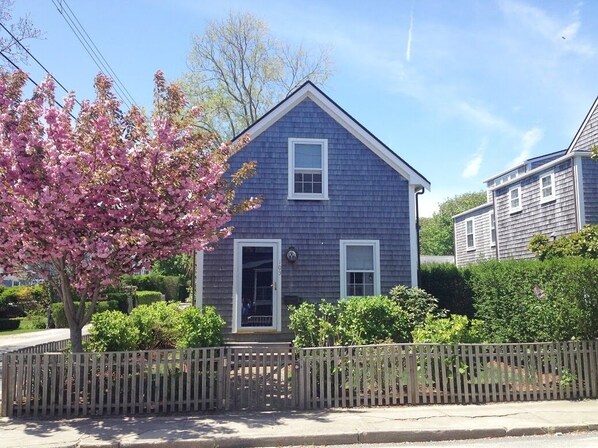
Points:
(360, 258)
(469, 226)
(469, 240)
(308, 155)
(317, 187)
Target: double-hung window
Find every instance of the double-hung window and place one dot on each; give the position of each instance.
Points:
(308, 168)
(469, 234)
(547, 188)
(360, 267)
(515, 199)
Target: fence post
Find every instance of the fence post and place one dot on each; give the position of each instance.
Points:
(6, 381)
(300, 383)
(412, 386)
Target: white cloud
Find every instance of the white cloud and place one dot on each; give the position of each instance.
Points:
(483, 117)
(409, 37)
(549, 28)
(473, 166)
(529, 139)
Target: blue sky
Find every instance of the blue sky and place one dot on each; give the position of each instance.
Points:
(459, 89)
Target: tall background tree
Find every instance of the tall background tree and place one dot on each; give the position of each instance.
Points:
(239, 70)
(436, 234)
(92, 198)
(21, 28)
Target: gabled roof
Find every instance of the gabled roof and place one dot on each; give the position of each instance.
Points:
(587, 134)
(309, 90)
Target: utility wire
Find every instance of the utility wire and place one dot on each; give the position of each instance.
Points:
(31, 79)
(35, 59)
(92, 50)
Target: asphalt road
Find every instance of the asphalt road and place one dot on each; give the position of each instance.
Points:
(572, 440)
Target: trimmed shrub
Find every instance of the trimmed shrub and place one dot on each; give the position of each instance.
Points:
(148, 297)
(166, 284)
(371, 320)
(455, 329)
(59, 316)
(417, 303)
(450, 285)
(157, 324)
(200, 327)
(112, 331)
(9, 324)
(121, 298)
(314, 325)
(529, 300)
(17, 301)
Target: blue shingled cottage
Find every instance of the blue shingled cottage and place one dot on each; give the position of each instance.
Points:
(338, 219)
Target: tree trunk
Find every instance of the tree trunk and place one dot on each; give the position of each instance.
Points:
(76, 338)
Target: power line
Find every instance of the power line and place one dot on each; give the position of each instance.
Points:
(10, 61)
(35, 59)
(92, 50)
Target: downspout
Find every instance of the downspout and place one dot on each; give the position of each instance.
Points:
(417, 229)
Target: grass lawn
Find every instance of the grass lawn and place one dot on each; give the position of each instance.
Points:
(19, 331)
(28, 325)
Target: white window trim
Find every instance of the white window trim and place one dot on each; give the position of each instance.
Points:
(291, 173)
(276, 244)
(552, 197)
(343, 263)
(493, 221)
(511, 208)
(472, 221)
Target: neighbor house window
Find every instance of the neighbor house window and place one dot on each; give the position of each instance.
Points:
(469, 234)
(308, 168)
(515, 199)
(492, 229)
(360, 267)
(547, 187)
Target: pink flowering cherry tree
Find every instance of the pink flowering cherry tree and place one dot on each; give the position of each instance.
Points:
(100, 195)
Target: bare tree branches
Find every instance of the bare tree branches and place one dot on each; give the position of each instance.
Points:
(22, 29)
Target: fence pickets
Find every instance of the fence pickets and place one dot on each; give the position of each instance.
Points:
(273, 377)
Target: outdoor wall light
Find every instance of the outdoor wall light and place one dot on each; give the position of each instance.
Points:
(292, 254)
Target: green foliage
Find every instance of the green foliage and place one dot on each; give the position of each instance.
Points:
(580, 244)
(59, 316)
(121, 298)
(455, 329)
(17, 301)
(371, 320)
(157, 324)
(417, 303)
(352, 321)
(594, 152)
(166, 284)
(436, 234)
(181, 266)
(148, 297)
(112, 331)
(527, 300)
(9, 324)
(200, 327)
(450, 285)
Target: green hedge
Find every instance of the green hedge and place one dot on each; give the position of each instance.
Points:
(17, 301)
(529, 300)
(59, 316)
(9, 324)
(166, 284)
(450, 285)
(147, 297)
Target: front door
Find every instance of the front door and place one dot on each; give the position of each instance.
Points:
(256, 305)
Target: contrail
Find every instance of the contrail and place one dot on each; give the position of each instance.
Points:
(409, 36)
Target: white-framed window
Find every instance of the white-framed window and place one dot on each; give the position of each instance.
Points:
(515, 199)
(308, 168)
(360, 267)
(547, 192)
(470, 234)
(492, 229)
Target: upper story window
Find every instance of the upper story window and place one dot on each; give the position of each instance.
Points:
(360, 267)
(308, 168)
(492, 229)
(469, 234)
(515, 199)
(547, 188)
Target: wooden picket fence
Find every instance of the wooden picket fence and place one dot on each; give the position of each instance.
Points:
(278, 376)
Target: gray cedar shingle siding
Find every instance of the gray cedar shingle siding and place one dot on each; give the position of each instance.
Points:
(482, 237)
(367, 200)
(515, 230)
(589, 134)
(590, 187)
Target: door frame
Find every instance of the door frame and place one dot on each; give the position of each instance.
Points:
(276, 246)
